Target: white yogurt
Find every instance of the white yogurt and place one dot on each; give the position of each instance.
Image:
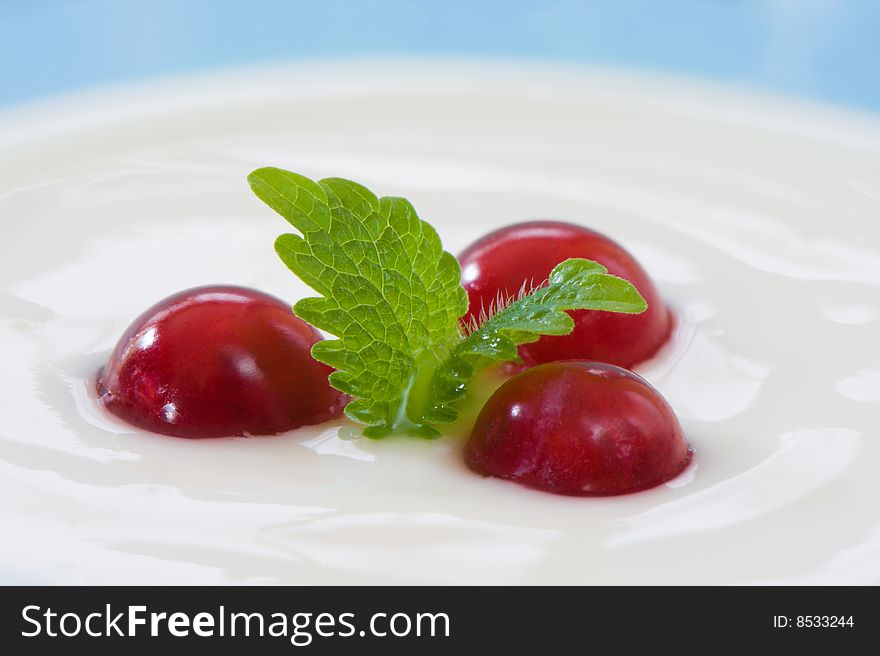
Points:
(758, 219)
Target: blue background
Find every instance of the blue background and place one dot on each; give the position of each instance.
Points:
(822, 49)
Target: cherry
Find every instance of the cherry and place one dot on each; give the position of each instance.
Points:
(502, 261)
(578, 428)
(216, 361)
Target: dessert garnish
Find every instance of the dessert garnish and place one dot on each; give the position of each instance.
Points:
(393, 299)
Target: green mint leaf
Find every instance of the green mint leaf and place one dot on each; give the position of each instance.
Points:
(389, 292)
(392, 297)
(575, 284)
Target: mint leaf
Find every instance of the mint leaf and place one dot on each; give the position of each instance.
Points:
(392, 297)
(575, 284)
(389, 292)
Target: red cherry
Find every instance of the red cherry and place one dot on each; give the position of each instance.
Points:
(526, 253)
(216, 361)
(578, 428)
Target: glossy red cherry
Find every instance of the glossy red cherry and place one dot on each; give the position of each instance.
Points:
(503, 260)
(578, 428)
(216, 361)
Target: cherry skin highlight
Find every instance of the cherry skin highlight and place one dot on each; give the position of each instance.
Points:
(525, 253)
(218, 361)
(578, 428)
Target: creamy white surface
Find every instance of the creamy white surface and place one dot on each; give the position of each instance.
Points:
(758, 219)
